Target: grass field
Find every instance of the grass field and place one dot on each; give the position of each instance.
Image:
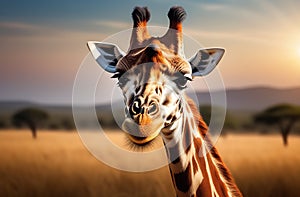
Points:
(57, 164)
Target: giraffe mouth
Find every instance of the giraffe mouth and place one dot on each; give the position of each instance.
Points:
(141, 134)
(142, 141)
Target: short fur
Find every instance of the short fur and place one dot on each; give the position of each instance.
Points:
(203, 130)
(152, 76)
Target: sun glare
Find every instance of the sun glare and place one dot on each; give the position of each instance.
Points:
(298, 51)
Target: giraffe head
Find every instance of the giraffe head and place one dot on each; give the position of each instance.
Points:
(153, 74)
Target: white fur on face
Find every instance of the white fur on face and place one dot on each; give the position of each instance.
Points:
(153, 84)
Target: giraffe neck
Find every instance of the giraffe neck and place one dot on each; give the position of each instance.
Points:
(194, 170)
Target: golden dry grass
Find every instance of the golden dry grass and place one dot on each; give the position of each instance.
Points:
(57, 164)
(261, 165)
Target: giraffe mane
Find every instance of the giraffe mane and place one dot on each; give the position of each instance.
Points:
(221, 167)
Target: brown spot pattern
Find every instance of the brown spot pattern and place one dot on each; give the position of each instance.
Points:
(183, 180)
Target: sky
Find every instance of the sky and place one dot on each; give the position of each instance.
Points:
(44, 42)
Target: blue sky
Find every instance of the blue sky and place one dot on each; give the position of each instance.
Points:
(43, 42)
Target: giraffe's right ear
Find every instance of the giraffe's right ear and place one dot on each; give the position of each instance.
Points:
(106, 55)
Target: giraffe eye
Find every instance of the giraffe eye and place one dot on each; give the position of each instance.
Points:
(181, 82)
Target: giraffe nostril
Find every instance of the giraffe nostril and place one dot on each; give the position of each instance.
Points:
(153, 108)
(135, 108)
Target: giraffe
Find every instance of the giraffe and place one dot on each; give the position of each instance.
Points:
(153, 76)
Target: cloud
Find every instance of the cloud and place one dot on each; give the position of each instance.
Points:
(18, 26)
(17, 29)
(21, 30)
(213, 6)
(236, 35)
(239, 36)
(112, 24)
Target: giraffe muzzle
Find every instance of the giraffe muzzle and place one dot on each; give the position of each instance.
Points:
(142, 134)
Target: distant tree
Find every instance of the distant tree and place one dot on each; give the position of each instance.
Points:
(68, 124)
(107, 121)
(2, 124)
(31, 117)
(284, 116)
(53, 126)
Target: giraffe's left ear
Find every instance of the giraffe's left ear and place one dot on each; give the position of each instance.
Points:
(205, 60)
(106, 55)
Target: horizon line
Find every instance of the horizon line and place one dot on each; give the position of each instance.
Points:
(63, 103)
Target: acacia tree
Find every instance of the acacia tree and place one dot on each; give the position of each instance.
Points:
(31, 117)
(283, 115)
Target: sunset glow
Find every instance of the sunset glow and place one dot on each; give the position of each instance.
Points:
(41, 51)
(298, 51)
